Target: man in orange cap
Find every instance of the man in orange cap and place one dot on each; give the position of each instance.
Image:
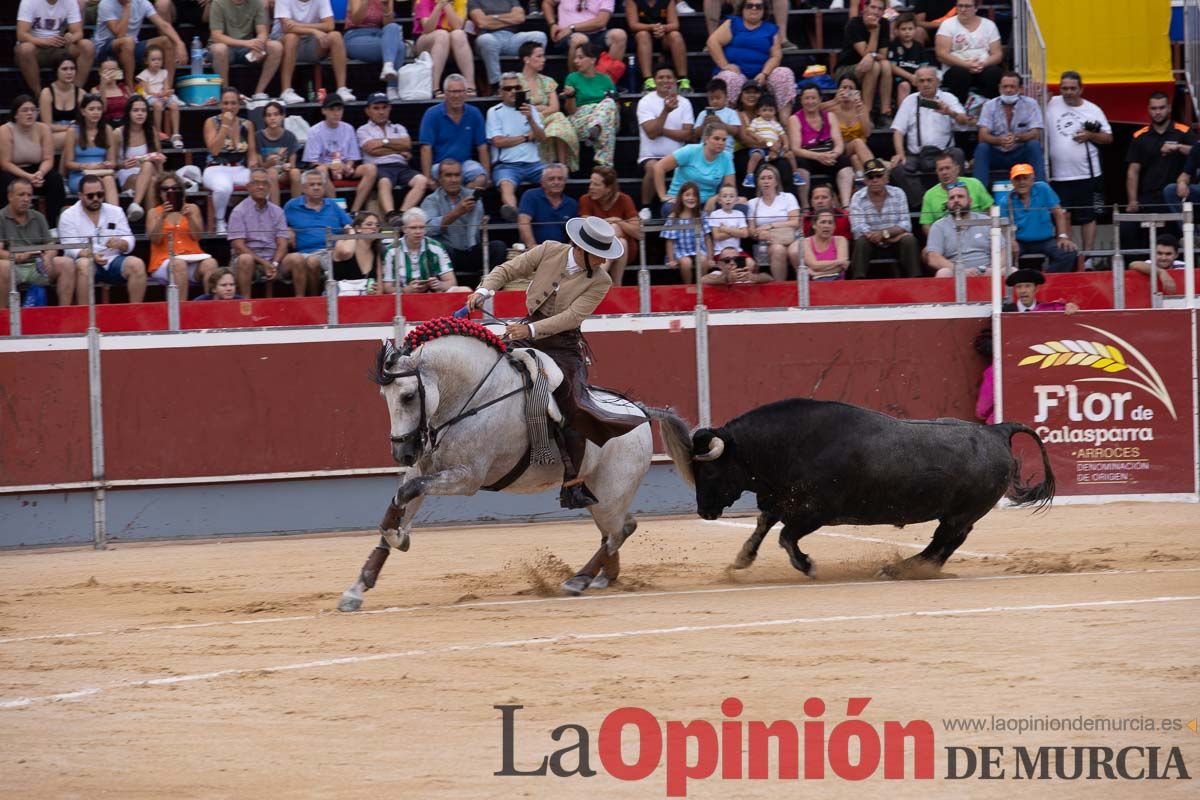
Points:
(1042, 224)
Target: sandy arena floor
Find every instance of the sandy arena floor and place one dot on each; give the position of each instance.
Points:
(219, 669)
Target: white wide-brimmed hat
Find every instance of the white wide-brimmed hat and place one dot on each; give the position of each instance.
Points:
(596, 236)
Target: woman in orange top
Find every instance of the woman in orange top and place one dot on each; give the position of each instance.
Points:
(181, 218)
(604, 199)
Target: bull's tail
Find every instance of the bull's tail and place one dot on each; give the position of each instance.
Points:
(677, 437)
(1019, 492)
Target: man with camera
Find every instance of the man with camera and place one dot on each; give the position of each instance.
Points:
(922, 130)
(455, 214)
(514, 129)
(1075, 128)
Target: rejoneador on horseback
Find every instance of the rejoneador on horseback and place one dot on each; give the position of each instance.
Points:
(567, 282)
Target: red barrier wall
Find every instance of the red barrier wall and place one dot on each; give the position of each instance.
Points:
(44, 419)
(917, 369)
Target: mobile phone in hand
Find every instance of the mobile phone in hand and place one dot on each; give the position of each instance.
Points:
(925, 103)
(522, 97)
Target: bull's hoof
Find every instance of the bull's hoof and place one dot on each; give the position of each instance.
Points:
(601, 581)
(744, 560)
(350, 602)
(396, 539)
(577, 584)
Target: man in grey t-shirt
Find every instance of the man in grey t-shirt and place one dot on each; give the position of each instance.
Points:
(496, 21)
(970, 247)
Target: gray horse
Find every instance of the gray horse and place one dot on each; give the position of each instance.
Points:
(458, 423)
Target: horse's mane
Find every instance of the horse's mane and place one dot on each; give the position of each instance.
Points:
(427, 332)
(450, 326)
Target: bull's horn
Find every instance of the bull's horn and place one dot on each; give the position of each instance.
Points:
(715, 448)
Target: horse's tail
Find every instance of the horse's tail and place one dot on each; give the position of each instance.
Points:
(1021, 493)
(677, 437)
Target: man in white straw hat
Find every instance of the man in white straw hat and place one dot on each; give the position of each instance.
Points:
(567, 282)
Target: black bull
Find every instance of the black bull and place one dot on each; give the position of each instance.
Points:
(813, 463)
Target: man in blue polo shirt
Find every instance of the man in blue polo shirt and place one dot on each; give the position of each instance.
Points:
(544, 212)
(311, 216)
(453, 129)
(1042, 224)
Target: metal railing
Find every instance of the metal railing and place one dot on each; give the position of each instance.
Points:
(1029, 59)
(1191, 51)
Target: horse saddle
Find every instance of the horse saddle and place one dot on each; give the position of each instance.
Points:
(539, 366)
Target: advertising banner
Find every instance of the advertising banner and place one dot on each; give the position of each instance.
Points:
(1110, 393)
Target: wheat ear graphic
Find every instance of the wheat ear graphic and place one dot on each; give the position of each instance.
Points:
(1105, 357)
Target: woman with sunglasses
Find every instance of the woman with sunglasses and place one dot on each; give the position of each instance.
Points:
(749, 48)
(172, 228)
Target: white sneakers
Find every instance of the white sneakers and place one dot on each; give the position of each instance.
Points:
(645, 213)
(683, 8)
(135, 212)
(346, 95)
(290, 98)
(393, 94)
(222, 228)
(389, 71)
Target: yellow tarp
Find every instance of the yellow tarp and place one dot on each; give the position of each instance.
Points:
(1106, 41)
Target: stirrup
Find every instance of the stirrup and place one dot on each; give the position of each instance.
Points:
(575, 494)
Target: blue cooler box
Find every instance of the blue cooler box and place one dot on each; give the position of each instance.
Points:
(198, 90)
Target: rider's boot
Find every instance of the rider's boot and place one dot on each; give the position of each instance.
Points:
(571, 445)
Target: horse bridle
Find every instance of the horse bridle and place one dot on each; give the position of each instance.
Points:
(426, 432)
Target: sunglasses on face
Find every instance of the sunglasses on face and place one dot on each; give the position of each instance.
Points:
(753, 6)
(508, 88)
(94, 195)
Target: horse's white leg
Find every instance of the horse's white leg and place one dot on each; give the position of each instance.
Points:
(617, 470)
(394, 533)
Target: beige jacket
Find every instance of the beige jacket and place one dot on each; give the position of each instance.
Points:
(565, 300)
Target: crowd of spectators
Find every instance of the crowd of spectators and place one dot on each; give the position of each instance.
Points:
(735, 174)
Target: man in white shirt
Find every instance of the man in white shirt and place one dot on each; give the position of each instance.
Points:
(388, 146)
(1074, 128)
(306, 29)
(513, 131)
(98, 237)
(47, 31)
(922, 129)
(664, 125)
(118, 25)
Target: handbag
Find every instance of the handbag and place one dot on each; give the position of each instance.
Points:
(415, 81)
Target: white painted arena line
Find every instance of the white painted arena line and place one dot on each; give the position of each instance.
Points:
(172, 680)
(811, 585)
(959, 552)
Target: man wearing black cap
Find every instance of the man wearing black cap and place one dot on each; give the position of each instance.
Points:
(881, 224)
(332, 149)
(387, 146)
(1025, 283)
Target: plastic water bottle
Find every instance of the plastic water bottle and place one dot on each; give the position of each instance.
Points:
(631, 80)
(197, 56)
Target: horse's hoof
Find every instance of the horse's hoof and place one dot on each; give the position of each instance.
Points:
(350, 602)
(601, 581)
(397, 540)
(888, 572)
(577, 585)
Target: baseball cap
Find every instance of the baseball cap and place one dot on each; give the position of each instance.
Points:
(1020, 169)
(874, 167)
(332, 100)
(378, 97)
